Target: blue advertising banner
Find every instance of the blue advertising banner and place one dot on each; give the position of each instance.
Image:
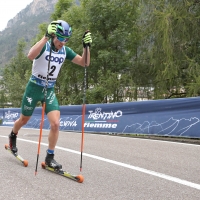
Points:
(171, 117)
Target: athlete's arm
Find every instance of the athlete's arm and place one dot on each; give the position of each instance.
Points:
(80, 60)
(36, 49)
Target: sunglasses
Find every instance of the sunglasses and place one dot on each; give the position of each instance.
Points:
(62, 39)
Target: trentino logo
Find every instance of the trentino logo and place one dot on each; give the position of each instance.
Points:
(97, 114)
(103, 120)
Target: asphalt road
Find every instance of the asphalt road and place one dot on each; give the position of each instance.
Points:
(114, 168)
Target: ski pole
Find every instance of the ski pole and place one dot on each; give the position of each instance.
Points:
(83, 107)
(40, 137)
(43, 107)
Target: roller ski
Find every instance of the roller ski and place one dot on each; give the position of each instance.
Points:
(13, 149)
(51, 165)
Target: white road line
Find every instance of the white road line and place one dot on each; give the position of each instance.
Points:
(160, 175)
(129, 138)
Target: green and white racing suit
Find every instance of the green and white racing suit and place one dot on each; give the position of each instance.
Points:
(35, 88)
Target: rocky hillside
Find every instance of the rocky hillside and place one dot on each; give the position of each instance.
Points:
(24, 25)
(36, 8)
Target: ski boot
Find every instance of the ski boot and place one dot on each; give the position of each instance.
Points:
(12, 142)
(50, 162)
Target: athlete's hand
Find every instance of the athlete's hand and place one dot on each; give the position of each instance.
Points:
(87, 39)
(52, 27)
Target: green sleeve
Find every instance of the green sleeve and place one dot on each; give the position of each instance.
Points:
(41, 52)
(70, 54)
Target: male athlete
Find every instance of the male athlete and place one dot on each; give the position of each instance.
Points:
(59, 33)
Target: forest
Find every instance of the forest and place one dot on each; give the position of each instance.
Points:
(141, 50)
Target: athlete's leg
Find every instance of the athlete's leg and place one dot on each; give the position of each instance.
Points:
(53, 113)
(30, 98)
(54, 120)
(13, 135)
(20, 122)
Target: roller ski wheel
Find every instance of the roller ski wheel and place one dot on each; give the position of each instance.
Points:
(24, 162)
(77, 178)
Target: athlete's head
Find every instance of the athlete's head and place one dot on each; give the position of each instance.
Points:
(62, 35)
(64, 31)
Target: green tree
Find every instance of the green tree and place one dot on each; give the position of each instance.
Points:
(151, 46)
(112, 24)
(171, 46)
(16, 75)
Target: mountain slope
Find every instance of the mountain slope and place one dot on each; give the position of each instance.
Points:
(24, 25)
